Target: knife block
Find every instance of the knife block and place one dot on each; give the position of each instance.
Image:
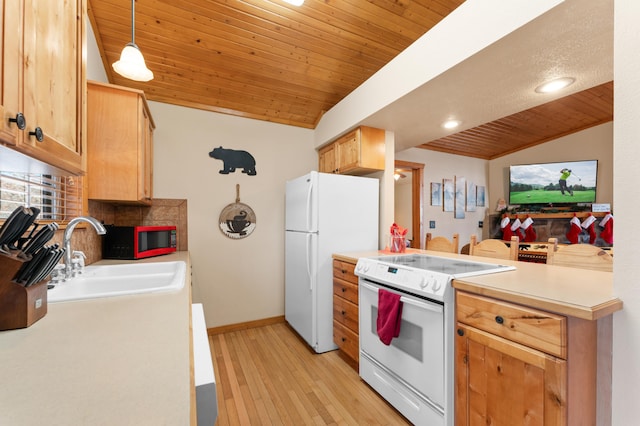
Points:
(20, 306)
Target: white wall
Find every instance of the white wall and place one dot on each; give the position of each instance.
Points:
(95, 67)
(483, 22)
(236, 280)
(403, 205)
(595, 143)
(440, 166)
(626, 327)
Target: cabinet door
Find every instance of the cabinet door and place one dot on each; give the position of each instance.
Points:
(11, 58)
(327, 161)
(120, 139)
(504, 383)
(146, 150)
(348, 152)
(43, 79)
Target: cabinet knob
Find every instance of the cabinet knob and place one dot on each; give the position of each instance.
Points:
(344, 339)
(460, 332)
(38, 133)
(343, 312)
(20, 121)
(499, 319)
(344, 289)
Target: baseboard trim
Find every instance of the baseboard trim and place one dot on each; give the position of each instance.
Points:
(245, 325)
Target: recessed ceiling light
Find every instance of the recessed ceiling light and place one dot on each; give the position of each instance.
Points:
(555, 85)
(451, 124)
(295, 2)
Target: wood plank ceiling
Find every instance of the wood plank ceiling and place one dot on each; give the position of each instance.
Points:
(261, 59)
(534, 126)
(268, 60)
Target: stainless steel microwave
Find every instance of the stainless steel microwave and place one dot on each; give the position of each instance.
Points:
(138, 242)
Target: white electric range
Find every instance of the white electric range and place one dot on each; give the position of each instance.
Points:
(415, 372)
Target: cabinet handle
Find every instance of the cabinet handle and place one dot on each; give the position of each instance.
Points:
(343, 313)
(38, 133)
(460, 332)
(344, 289)
(20, 121)
(344, 339)
(499, 319)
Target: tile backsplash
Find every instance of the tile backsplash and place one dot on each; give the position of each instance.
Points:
(160, 212)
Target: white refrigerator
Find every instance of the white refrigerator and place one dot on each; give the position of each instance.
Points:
(325, 213)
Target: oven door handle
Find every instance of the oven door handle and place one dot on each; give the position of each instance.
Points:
(434, 307)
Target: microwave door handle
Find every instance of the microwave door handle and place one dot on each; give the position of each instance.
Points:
(420, 305)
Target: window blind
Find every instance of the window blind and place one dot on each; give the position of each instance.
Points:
(59, 198)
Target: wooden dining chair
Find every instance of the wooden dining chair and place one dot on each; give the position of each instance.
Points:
(442, 243)
(584, 256)
(497, 249)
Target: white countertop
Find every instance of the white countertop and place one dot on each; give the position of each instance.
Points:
(111, 361)
(579, 293)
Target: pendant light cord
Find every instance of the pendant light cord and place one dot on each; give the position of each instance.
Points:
(133, 23)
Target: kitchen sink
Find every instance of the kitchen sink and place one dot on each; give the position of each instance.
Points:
(99, 281)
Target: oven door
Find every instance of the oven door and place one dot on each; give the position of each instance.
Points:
(416, 356)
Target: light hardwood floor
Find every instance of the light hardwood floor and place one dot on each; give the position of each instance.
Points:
(268, 375)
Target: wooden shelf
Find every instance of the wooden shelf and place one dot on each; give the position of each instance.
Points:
(556, 215)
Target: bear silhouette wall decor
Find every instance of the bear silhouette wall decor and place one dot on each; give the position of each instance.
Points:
(234, 159)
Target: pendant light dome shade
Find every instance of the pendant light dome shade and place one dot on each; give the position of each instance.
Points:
(131, 64)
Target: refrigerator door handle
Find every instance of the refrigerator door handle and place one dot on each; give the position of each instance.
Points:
(309, 212)
(309, 272)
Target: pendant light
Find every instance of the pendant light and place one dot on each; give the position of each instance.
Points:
(131, 64)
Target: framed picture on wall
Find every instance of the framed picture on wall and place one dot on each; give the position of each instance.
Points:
(480, 196)
(471, 197)
(447, 195)
(436, 194)
(459, 197)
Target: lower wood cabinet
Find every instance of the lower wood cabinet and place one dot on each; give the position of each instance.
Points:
(345, 309)
(516, 365)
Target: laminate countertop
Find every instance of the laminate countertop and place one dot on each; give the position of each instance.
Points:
(574, 292)
(112, 361)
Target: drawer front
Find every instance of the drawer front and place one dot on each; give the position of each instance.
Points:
(344, 271)
(536, 329)
(346, 290)
(346, 340)
(345, 313)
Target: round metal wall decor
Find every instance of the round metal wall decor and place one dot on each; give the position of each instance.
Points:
(237, 220)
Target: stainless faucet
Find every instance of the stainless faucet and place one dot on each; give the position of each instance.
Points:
(66, 240)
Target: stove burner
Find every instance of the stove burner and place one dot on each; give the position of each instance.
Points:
(423, 274)
(438, 264)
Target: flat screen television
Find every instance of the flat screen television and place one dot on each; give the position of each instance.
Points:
(568, 182)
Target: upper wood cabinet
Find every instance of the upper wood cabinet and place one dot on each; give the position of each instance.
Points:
(43, 80)
(360, 151)
(119, 144)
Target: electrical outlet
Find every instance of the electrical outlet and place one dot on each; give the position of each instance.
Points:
(480, 224)
(432, 224)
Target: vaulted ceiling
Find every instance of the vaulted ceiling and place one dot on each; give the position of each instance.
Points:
(268, 60)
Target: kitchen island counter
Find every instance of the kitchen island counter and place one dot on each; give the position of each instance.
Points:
(574, 292)
(119, 361)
